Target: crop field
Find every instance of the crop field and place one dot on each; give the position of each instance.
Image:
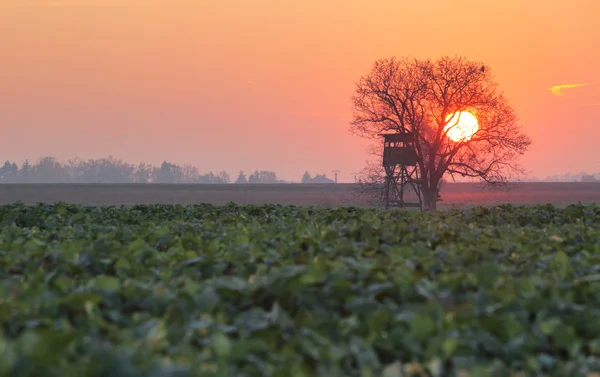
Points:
(324, 195)
(271, 290)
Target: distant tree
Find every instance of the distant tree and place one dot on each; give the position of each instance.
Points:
(189, 174)
(14, 172)
(588, 178)
(75, 168)
(25, 172)
(49, 170)
(9, 172)
(223, 177)
(241, 179)
(306, 178)
(423, 97)
(254, 177)
(113, 170)
(208, 178)
(267, 177)
(168, 173)
(143, 173)
(103, 170)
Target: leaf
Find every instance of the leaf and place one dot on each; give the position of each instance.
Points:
(422, 327)
(136, 245)
(450, 345)
(79, 299)
(561, 258)
(190, 242)
(192, 261)
(251, 321)
(549, 326)
(8, 356)
(123, 264)
(315, 273)
(221, 345)
(214, 246)
(106, 283)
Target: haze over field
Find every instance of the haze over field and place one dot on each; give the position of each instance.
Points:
(242, 85)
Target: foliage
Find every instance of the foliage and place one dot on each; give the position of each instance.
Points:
(159, 290)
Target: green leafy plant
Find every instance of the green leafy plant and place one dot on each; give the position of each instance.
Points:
(167, 290)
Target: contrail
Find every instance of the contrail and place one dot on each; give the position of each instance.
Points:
(557, 90)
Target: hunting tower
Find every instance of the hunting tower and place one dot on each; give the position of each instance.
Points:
(401, 171)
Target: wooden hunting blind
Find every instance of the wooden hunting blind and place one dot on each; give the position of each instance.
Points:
(399, 149)
(400, 161)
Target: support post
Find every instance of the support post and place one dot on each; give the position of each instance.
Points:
(402, 174)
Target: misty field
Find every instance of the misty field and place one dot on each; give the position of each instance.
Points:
(286, 194)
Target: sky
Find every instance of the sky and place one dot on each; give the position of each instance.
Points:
(266, 84)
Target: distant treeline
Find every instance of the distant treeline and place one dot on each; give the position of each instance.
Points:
(112, 170)
(568, 177)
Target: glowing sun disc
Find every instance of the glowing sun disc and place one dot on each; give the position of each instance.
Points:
(461, 125)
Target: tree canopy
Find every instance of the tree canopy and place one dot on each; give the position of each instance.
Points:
(421, 96)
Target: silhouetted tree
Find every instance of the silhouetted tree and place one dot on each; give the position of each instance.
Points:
(25, 172)
(419, 96)
(189, 174)
(223, 177)
(104, 170)
(254, 177)
(241, 179)
(168, 173)
(588, 178)
(306, 178)
(267, 176)
(9, 172)
(143, 173)
(14, 171)
(208, 178)
(49, 170)
(75, 169)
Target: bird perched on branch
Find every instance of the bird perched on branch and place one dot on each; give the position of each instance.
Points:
(482, 68)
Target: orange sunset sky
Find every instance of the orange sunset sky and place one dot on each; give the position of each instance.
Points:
(255, 84)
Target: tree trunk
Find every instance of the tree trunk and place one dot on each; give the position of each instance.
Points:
(430, 196)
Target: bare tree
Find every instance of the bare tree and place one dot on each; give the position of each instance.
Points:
(421, 96)
(223, 177)
(143, 173)
(189, 174)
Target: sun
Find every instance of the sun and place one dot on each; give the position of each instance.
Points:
(461, 126)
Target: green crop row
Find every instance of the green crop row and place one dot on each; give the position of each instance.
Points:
(180, 291)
